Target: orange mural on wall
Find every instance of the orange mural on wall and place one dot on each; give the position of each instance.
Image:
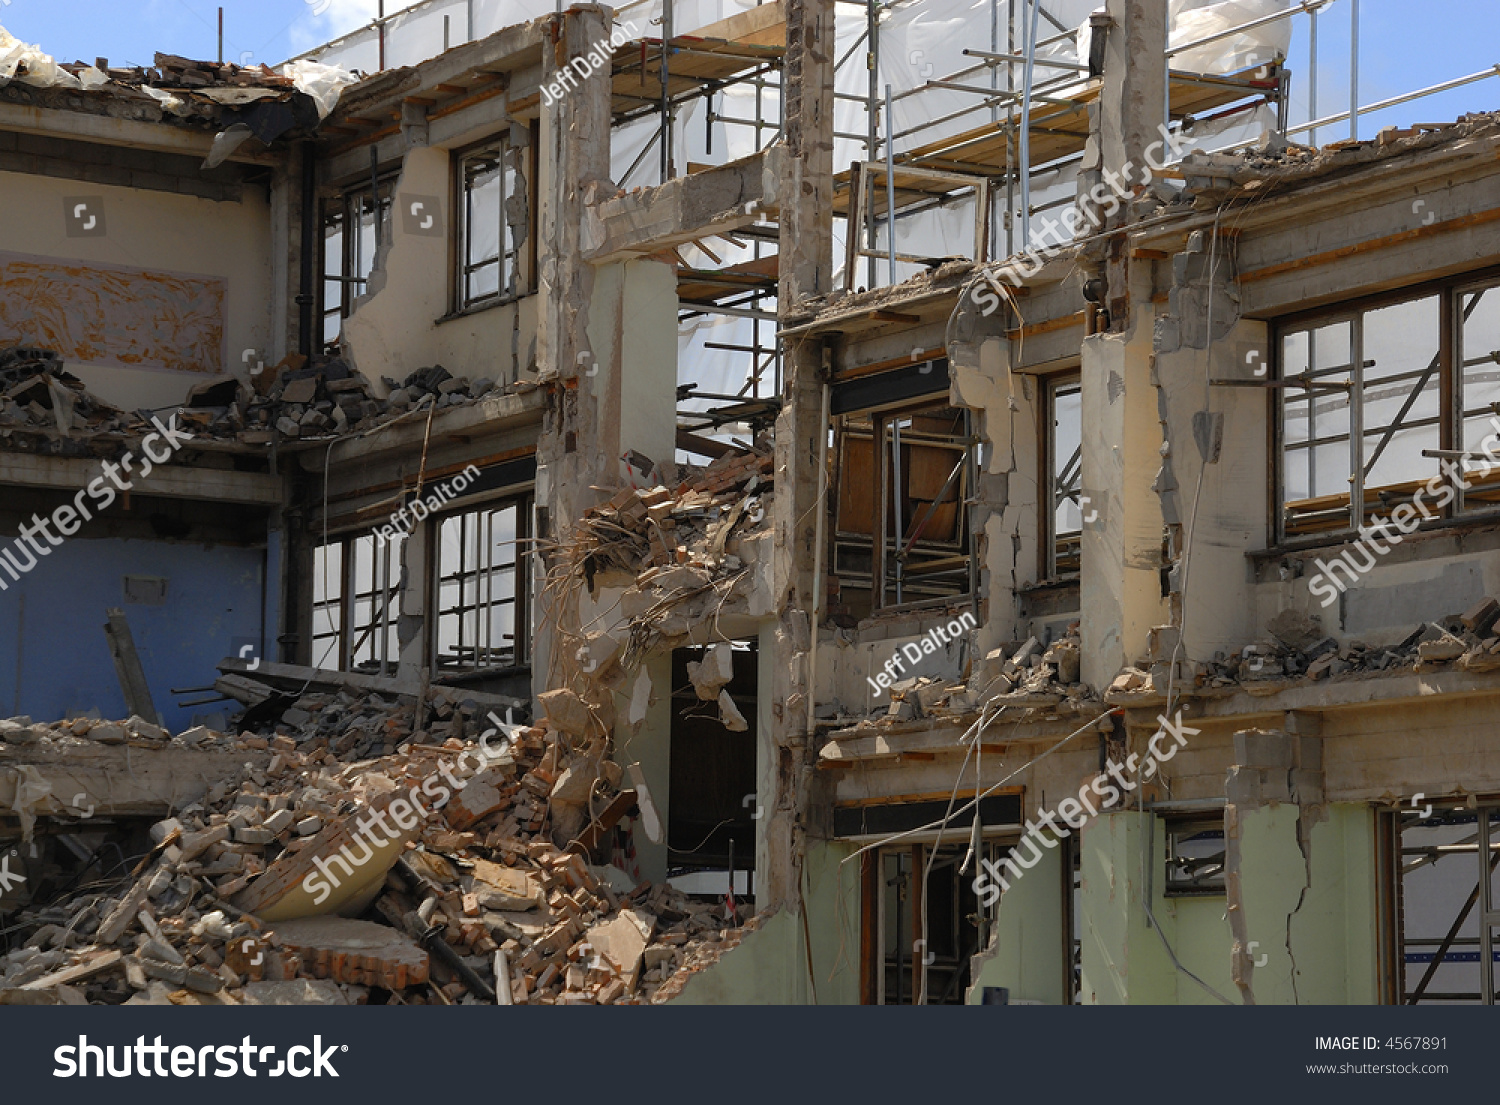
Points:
(113, 315)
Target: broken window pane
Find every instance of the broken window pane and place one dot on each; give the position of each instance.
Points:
(1362, 401)
(1315, 426)
(922, 473)
(328, 609)
(1195, 857)
(376, 605)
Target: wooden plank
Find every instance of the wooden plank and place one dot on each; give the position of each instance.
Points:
(128, 667)
(101, 962)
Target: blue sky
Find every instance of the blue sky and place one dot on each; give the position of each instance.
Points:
(1404, 46)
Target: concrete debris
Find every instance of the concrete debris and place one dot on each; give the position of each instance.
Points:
(1266, 667)
(715, 670)
(235, 901)
(730, 714)
(46, 409)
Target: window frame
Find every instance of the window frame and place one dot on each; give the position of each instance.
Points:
(1047, 501)
(882, 581)
(524, 502)
(386, 581)
(1449, 292)
(514, 262)
(336, 210)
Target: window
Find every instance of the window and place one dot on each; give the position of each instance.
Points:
(1369, 405)
(352, 226)
(490, 185)
(1195, 858)
(356, 601)
(1447, 887)
(1063, 464)
(482, 588)
(922, 477)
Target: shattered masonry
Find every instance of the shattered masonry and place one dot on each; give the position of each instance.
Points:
(661, 697)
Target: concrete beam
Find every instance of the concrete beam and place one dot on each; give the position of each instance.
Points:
(709, 202)
(491, 416)
(119, 780)
(173, 482)
(110, 130)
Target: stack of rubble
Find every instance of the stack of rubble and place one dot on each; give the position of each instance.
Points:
(1296, 651)
(296, 399)
(1215, 178)
(36, 392)
(680, 553)
(467, 896)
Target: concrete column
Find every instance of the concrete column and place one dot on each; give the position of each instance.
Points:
(1120, 589)
(574, 159)
(806, 251)
(1122, 125)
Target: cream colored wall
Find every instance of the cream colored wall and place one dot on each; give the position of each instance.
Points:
(164, 232)
(395, 330)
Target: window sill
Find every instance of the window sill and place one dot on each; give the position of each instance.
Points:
(480, 308)
(910, 619)
(1474, 522)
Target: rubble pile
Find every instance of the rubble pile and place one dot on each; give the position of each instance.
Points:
(444, 861)
(1215, 178)
(678, 553)
(294, 400)
(1296, 651)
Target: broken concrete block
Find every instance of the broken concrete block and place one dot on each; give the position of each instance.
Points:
(279, 821)
(482, 795)
(1446, 647)
(730, 714)
(715, 671)
(565, 711)
(254, 834)
(505, 889)
(358, 952)
(195, 844)
(1481, 617)
(143, 728)
(163, 829)
(622, 943)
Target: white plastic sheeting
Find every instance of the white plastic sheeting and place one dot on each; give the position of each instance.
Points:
(41, 71)
(324, 83)
(1196, 19)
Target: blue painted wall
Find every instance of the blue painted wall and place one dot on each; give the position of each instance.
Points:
(54, 657)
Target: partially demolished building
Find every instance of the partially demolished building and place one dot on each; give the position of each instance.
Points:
(806, 578)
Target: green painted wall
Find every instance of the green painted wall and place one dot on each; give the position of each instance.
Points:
(769, 967)
(1318, 942)
(1026, 955)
